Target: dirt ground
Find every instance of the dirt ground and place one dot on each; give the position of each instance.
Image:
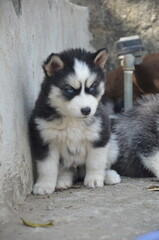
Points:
(119, 212)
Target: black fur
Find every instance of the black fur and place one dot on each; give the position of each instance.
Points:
(39, 149)
(105, 126)
(68, 58)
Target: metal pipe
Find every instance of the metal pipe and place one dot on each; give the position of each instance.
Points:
(128, 66)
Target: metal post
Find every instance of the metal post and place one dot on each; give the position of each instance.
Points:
(130, 51)
(128, 65)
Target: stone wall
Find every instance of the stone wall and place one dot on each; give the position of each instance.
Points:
(30, 30)
(110, 20)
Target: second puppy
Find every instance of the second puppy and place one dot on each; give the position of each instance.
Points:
(136, 136)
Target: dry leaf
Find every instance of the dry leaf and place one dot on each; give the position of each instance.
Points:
(153, 188)
(34, 225)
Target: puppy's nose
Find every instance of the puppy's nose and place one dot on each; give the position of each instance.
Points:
(85, 111)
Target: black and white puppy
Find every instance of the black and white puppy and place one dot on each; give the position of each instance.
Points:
(136, 139)
(69, 126)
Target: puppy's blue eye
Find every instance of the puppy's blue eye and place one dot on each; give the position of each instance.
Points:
(69, 90)
(92, 89)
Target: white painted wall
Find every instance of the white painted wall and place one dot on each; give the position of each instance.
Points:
(26, 39)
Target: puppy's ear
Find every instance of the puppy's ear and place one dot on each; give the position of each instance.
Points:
(52, 64)
(101, 57)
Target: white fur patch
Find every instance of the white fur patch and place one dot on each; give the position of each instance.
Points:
(76, 81)
(101, 90)
(112, 177)
(90, 80)
(47, 174)
(82, 71)
(112, 151)
(95, 168)
(65, 178)
(73, 81)
(152, 163)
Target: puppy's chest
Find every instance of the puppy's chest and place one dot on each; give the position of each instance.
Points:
(72, 142)
(75, 141)
(69, 130)
(72, 138)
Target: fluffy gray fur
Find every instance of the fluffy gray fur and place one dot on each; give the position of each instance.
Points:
(137, 137)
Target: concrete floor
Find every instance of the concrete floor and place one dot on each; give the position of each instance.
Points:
(119, 212)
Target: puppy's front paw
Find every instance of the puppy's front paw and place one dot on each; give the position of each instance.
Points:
(43, 187)
(112, 177)
(63, 183)
(93, 180)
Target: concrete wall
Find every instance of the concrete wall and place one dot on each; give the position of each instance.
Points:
(29, 31)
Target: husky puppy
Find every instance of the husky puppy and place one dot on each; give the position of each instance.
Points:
(136, 135)
(69, 126)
